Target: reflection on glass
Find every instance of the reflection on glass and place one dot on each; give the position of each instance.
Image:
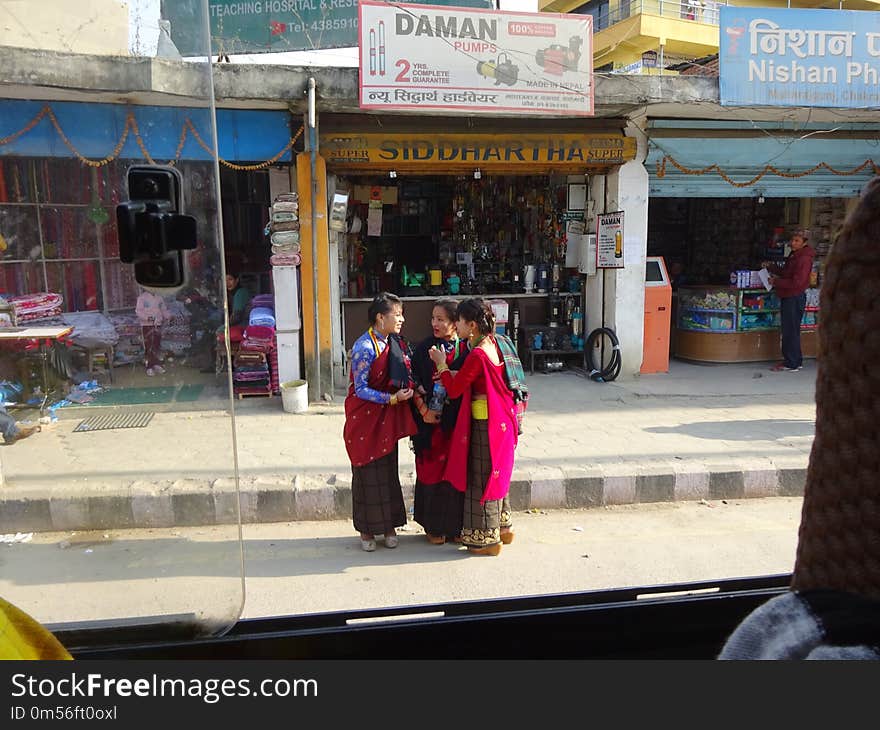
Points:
(98, 453)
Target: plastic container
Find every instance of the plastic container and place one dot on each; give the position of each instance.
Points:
(295, 396)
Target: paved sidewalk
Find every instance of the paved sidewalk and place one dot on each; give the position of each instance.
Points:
(698, 432)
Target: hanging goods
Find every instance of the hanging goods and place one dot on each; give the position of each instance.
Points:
(530, 274)
(610, 371)
(554, 309)
(502, 70)
(577, 329)
(516, 328)
(543, 278)
(436, 276)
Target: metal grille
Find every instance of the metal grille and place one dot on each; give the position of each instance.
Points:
(115, 420)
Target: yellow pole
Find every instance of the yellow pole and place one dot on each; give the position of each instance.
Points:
(315, 305)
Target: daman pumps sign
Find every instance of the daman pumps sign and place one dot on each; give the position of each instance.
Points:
(475, 61)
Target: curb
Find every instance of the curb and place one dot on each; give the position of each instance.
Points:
(285, 498)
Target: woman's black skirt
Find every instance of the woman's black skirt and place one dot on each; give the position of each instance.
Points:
(438, 509)
(376, 497)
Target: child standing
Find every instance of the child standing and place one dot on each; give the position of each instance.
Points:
(152, 313)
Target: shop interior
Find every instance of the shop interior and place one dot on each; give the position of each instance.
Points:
(502, 237)
(61, 276)
(714, 248)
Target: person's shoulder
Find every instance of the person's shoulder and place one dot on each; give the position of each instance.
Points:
(362, 343)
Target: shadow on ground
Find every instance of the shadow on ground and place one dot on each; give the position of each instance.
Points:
(769, 429)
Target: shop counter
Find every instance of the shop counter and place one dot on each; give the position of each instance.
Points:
(726, 324)
(417, 311)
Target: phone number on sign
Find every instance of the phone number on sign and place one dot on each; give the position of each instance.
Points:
(322, 25)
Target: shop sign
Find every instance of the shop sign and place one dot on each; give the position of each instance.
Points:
(470, 151)
(631, 68)
(609, 240)
(787, 57)
(474, 61)
(268, 26)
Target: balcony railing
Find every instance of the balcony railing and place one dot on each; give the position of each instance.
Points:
(698, 11)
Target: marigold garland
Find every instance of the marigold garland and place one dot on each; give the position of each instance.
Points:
(131, 126)
(661, 171)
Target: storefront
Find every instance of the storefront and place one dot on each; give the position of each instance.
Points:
(436, 209)
(722, 201)
(63, 171)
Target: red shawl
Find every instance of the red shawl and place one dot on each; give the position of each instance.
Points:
(372, 430)
(502, 427)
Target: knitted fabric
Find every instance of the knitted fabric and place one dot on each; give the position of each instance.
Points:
(839, 537)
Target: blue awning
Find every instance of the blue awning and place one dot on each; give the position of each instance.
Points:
(94, 130)
(741, 158)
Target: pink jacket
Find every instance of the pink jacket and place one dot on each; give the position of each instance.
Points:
(151, 309)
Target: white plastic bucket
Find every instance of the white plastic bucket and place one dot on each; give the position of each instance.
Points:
(295, 396)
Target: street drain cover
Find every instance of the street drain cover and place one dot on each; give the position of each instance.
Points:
(115, 420)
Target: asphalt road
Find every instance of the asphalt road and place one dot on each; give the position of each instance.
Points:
(308, 567)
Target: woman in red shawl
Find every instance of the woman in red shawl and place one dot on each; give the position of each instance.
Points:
(480, 460)
(376, 418)
(437, 505)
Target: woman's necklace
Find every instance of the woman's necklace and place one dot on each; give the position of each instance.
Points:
(375, 341)
(456, 347)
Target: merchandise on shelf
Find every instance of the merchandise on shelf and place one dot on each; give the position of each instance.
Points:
(759, 300)
(707, 299)
(31, 307)
(736, 310)
(698, 320)
(283, 230)
(760, 320)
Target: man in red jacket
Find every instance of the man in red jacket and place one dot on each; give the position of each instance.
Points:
(790, 283)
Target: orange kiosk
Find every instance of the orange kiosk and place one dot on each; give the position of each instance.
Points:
(658, 316)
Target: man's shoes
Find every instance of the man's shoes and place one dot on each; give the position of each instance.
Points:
(151, 372)
(782, 367)
(158, 369)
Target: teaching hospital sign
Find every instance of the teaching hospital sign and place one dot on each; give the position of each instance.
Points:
(784, 57)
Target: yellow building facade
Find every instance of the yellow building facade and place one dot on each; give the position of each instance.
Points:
(644, 36)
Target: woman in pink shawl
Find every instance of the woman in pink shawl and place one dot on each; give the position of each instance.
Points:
(480, 460)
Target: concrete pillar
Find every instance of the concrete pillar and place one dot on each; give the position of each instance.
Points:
(627, 190)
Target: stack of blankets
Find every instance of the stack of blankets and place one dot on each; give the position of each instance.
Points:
(252, 374)
(31, 307)
(284, 230)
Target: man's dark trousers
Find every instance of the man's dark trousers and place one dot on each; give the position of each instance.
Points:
(792, 312)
